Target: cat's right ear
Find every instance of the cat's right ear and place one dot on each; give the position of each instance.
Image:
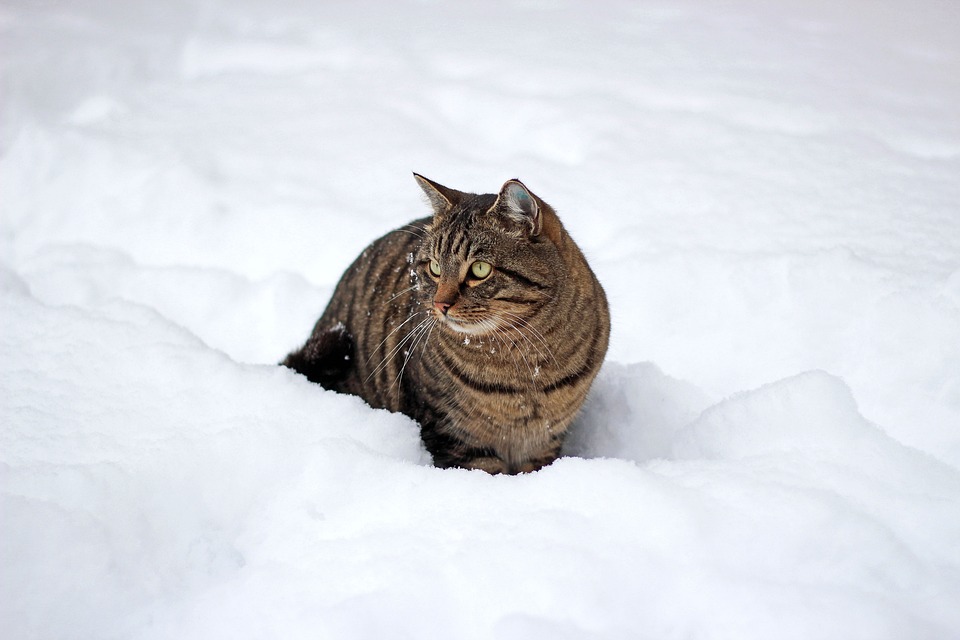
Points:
(441, 198)
(517, 204)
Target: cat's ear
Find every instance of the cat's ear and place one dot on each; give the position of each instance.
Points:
(519, 205)
(441, 198)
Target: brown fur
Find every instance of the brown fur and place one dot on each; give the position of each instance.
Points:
(494, 369)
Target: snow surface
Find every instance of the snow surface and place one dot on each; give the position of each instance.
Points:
(770, 193)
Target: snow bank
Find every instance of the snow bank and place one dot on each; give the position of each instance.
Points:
(768, 194)
(134, 454)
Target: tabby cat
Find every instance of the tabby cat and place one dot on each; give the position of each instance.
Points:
(483, 323)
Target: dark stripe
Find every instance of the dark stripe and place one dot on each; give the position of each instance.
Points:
(460, 456)
(372, 264)
(571, 379)
(476, 385)
(515, 300)
(468, 453)
(355, 305)
(446, 240)
(376, 344)
(461, 240)
(524, 280)
(575, 377)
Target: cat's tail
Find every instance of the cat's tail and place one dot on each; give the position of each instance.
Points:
(326, 358)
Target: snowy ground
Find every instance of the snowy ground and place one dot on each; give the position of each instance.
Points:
(770, 193)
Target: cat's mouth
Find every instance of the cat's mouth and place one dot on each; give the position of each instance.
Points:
(467, 327)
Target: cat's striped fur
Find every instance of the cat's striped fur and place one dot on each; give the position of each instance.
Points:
(493, 361)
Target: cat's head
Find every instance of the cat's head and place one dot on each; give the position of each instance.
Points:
(487, 262)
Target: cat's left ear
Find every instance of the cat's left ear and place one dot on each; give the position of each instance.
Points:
(441, 198)
(519, 205)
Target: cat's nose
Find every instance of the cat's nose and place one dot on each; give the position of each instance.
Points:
(441, 306)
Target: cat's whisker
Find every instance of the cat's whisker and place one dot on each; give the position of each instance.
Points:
(416, 231)
(526, 323)
(536, 333)
(421, 330)
(429, 333)
(534, 371)
(400, 293)
(531, 370)
(391, 356)
(518, 329)
(393, 352)
(397, 328)
(511, 346)
(492, 328)
(412, 234)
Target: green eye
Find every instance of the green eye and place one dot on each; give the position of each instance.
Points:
(435, 268)
(480, 269)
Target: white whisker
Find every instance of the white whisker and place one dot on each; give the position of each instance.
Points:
(423, 329)
(519, 324)
(397, 328)
(511, 347)
(398, 294)
(393, 352)
(413, 233)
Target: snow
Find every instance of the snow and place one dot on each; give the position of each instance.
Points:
(767, 191)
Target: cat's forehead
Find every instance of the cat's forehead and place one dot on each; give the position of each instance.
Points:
(468, 226)
(472, 212)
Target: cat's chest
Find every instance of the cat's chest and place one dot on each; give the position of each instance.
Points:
(497, 383)
(515, 364)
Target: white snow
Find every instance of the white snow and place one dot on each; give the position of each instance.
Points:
(768, 191)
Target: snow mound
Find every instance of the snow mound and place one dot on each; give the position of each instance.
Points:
(132, 453)
(813, 411)
(634, 412)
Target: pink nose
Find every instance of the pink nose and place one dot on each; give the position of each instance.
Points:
(441, 306)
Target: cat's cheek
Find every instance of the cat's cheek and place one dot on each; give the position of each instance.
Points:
(428, 290)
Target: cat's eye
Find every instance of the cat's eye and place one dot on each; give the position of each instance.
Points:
(435, 268)
(480, 269)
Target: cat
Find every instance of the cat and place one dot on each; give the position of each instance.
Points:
(483, 322)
